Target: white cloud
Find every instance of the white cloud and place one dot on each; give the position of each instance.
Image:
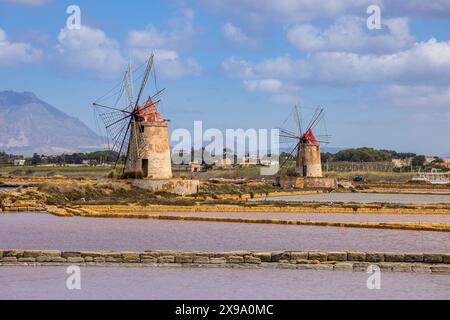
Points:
(89, 49)
(350, 34)
(283, 68)
(14, 53)
(166, 44)
(169, 65)
(421, 97)
(181, 34)
(235, 35)
(265, 85)
(276, 77)
(425, 63)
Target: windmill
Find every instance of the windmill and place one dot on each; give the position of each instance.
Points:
(306, 145)
(137, 132)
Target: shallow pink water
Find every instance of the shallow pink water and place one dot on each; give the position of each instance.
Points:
(348, 217)
(222, 284)
(43, 231)
(366, 198)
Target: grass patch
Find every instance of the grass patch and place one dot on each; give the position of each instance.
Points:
(55, 169)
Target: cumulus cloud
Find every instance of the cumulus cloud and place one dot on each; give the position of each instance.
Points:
(166, 44)
(169, 65)
(265, 85)
(180, 34)
(424, 63)
(90, 49)
(236, 36)
(283, 67)
(14, 53)
(421, 97)
(350, 34)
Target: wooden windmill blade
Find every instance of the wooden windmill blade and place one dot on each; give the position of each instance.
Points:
(119, 123)
(125, 127)
(298, 120)
(133, 144)
(116, 123)
(289, 156)
(286, 136)
(317, 117)
(129, 85)
(144, 80)
(125, 142)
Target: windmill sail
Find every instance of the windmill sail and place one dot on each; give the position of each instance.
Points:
(306, 146)
(138, 132)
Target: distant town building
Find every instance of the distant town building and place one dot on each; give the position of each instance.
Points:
(437, 160)
(195, 167)
(19, 162)
(224, 163)
(446, 162)
(269, 163)
(430, 159)
(400, 163)
(247, 161)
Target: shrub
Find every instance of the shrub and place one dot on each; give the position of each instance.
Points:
(133, 175)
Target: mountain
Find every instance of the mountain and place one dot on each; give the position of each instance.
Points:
(28, 125)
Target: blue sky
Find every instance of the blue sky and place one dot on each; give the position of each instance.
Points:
(244, 64)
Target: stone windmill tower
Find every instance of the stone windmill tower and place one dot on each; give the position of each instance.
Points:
(149, 148)
(138, 133)
(307, 148)
(308, 162)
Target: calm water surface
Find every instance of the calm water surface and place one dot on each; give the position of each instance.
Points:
(44, 231)
(182, 284)
(367, 198)
(348, 217)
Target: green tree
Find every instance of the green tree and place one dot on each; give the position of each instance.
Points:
(418, 161)
(36, 159)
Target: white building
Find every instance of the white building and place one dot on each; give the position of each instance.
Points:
(19, 162)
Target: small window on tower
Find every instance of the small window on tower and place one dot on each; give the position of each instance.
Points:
(142, 128)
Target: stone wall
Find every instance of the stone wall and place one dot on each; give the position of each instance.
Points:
(308, 162)
(175, 186)
(301, 260)
(155, 149)
(288, 182)
(328, 183)
(23, 209)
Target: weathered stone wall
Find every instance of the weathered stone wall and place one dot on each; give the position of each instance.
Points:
(288, 182)
(23, 209)
(328, 183)
(302, 260)
(175, 186)
(156, 149)
(308, 162)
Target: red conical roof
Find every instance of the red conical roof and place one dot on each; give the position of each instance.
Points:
(309, 137)
(149, 112)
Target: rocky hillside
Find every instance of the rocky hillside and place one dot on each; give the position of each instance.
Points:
(28, 125)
